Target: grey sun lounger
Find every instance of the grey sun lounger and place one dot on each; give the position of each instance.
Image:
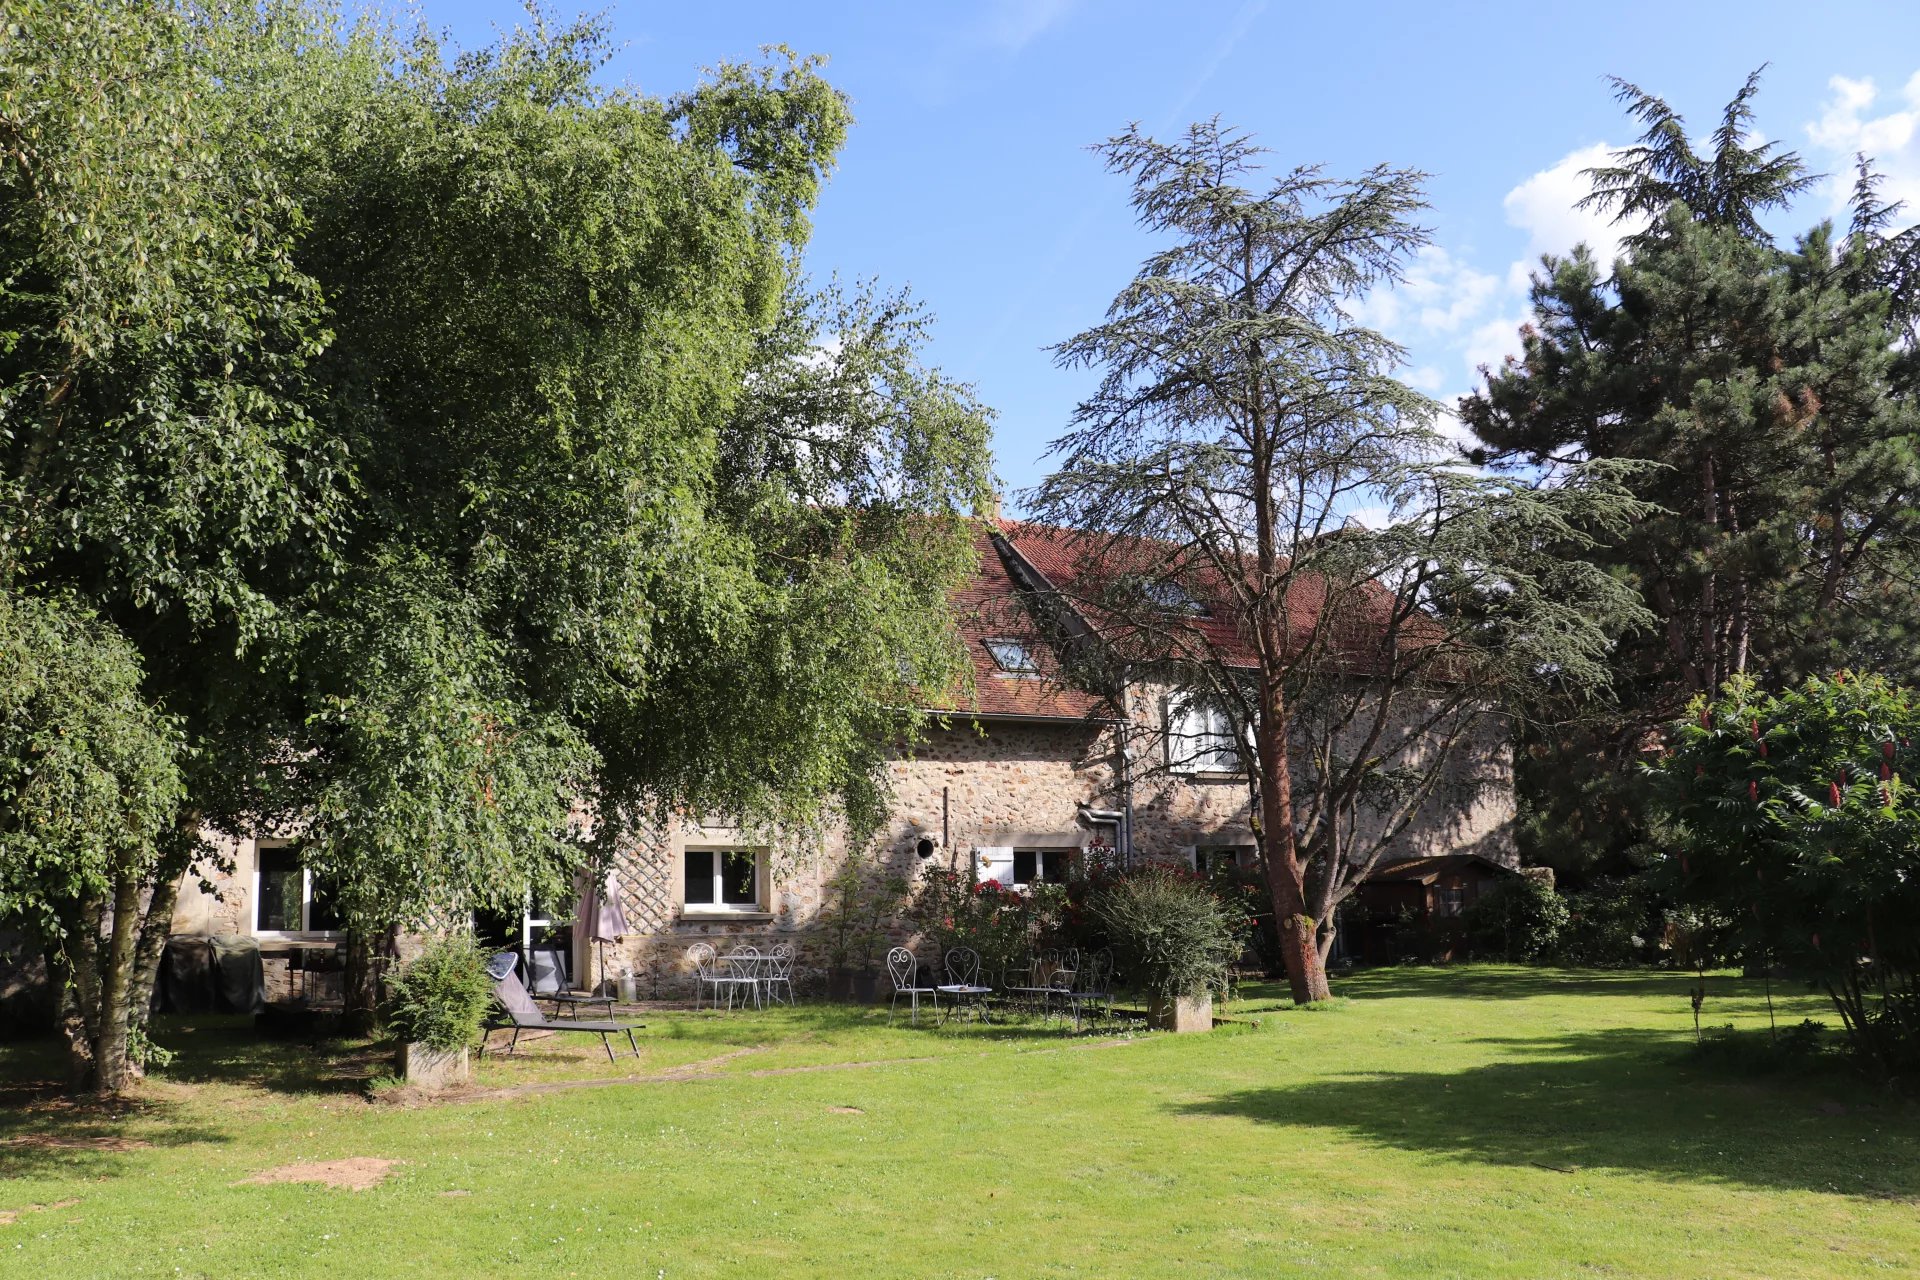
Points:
(524, 1015)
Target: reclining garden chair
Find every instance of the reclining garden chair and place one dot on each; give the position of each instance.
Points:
(524, 1015)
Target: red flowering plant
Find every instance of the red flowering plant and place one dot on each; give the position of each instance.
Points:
(991, 918)
(1792, 817)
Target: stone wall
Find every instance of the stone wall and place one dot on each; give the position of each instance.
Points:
(1026, 784)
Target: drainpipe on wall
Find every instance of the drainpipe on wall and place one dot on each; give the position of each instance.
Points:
(1111, 818)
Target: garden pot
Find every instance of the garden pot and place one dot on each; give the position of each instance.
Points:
(856, 986)
(1188, 1013)
(425, 1067)
(629, 989)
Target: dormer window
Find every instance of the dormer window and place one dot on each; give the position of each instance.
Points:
(1013, 657)
(1165, 593)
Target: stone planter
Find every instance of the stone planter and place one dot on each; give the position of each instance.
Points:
(856, 986)
(425, 1067)
(1188, 1013)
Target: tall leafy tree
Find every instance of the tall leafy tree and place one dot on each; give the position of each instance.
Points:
(160, 461)
(89, 787)
(517, 487)
(1243, 412)
(1766, 384)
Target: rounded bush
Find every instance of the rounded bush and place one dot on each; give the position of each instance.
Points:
(440, 998)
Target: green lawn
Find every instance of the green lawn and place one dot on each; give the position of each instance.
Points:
(1438, 1122)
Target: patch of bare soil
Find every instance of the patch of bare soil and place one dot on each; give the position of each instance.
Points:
(848, 1111)
(10, 1216)
(52, 1142)
(355, 1173)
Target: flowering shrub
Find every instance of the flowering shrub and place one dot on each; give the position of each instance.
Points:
(1794, 819)
(986, 916)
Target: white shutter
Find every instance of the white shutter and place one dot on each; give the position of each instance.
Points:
(1180, 732)
(994, 862)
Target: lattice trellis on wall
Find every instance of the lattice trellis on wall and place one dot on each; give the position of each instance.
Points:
(644, 868)
(645, 873)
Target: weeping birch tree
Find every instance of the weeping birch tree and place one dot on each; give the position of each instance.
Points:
(1243, 414)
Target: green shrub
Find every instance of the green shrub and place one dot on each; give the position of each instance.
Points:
(1611, 924)
(1170, 931)
(1516, 918)
(860, 908)
(440, 998)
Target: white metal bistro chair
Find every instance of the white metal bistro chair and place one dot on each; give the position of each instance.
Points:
(904, 970)
(962, 987)
(777, 973)
(707, 974)
(749, 969)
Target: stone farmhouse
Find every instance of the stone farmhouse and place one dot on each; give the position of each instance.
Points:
(1018, 785)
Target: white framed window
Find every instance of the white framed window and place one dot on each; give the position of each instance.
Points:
(1208, 859)
(1041, 866)
(1201, 736)
(288, 898)
(1014, 657)
(720, 880)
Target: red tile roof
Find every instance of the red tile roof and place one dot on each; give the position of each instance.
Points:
(1080, 565)
(989, 608)
(1077, 566)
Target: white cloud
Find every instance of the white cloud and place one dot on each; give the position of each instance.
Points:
(1440, 295)
(1846, 127)
(1543, 207)
(1426, 378)
(1493, 341)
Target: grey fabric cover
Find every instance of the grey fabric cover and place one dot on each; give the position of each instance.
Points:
(239, 974)
(186, 977)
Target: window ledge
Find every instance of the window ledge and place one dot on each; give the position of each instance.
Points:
(1216, 775)
(694, 914)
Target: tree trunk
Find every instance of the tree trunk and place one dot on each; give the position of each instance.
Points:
(113, 1068)
(359, 994)
(155, 928)
(1299, 949)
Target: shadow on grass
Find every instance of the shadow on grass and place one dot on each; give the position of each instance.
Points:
(230, 1050)
(1623, 1100)
(45, 1133)
(1506, 982)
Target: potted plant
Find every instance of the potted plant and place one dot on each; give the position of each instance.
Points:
(1175, 937)
(859, 908)
(436, 1006)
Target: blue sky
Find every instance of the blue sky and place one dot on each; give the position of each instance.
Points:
(967, 176)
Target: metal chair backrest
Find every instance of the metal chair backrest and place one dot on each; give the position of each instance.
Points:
(745, 962)
(1099, 971)
(703, 959)
(548, 965)
(963, 966)
(901, 967)
(780, 960)
(511, 994)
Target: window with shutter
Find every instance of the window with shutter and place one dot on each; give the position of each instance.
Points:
(1201, 736)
